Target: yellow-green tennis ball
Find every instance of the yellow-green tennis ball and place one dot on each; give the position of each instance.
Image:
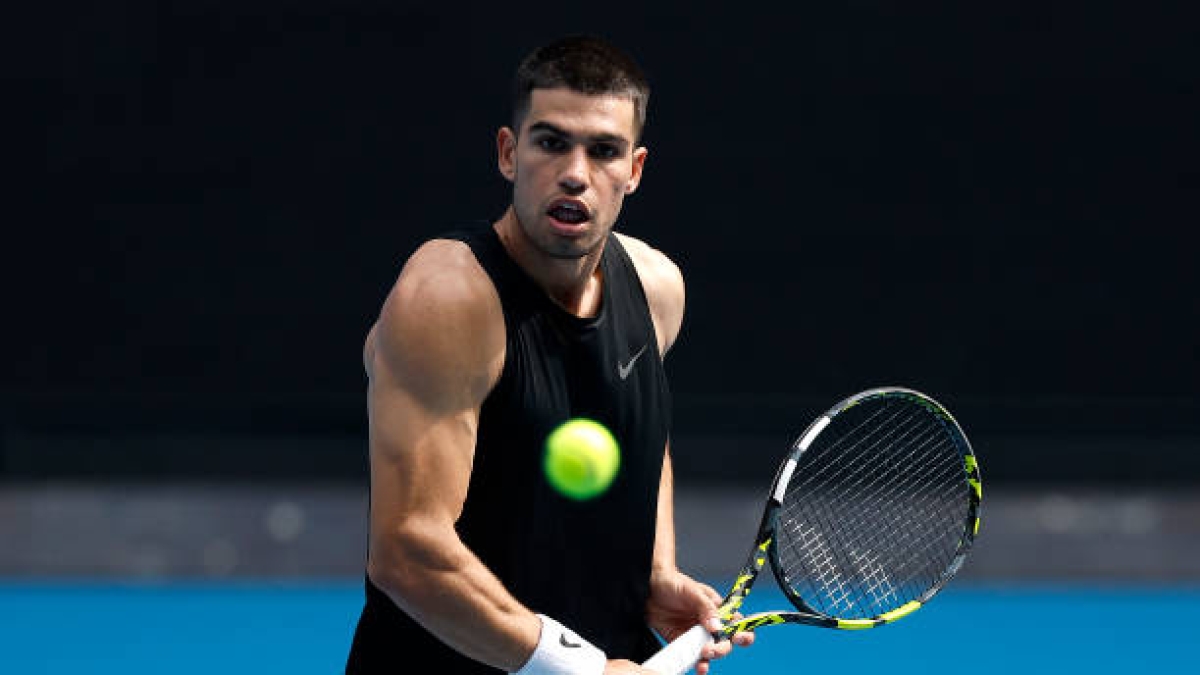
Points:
(582, 458)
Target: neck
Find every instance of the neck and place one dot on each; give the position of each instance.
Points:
(575, 284)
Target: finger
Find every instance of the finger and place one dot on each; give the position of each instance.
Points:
(718, 650)
(716, 627)
(743, 639)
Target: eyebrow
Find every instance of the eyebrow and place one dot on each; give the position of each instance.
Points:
(597, 138)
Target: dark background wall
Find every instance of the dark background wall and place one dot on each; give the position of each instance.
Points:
(994, 204)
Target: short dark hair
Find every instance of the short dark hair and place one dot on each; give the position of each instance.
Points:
(585, 64)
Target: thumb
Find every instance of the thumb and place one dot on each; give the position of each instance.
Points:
(707, 604)
(704, 596)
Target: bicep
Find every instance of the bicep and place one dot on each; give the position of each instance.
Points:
(436, 352)
(420, 453)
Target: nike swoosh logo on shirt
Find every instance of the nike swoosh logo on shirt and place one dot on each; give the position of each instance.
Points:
(623, 369)
(562, 640)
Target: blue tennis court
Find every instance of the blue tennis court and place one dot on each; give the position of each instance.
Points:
(300, 628)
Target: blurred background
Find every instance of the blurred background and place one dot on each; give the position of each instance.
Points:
(993, 204)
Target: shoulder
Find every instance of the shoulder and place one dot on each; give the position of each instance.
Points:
(441, 275)
(663, 282)
(441, 318)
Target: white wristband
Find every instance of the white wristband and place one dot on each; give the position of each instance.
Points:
(561, 652)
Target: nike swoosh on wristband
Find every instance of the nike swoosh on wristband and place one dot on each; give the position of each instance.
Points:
(623, 369)
(562, 640)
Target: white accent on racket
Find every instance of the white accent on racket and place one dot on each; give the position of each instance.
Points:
(817, 428)
(681, 655)
(784, 477)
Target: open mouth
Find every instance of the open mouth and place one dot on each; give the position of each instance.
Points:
(569, 212)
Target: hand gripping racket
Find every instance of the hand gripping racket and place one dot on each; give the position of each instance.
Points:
(872, 511)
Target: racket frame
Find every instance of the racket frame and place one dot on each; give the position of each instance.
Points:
(765, 549)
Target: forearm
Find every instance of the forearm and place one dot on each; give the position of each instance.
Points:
(431, 575)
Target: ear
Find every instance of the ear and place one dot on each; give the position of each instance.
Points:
(635, 176)
(506, 150)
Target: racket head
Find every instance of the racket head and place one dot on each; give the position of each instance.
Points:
(873, 510)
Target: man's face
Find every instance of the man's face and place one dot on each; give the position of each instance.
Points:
(571, 166)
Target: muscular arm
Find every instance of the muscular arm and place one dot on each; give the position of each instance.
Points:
(433, 355)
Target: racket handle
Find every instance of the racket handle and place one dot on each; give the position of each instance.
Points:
(682, 654)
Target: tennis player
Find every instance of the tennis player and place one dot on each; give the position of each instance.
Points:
(489, 338)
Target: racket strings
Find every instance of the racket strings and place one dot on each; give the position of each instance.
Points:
(866, 570)
(878, 585)
(877, 427)
(920, 508)
(882, 431)
(872, 519)
(857, 584)
(949, 471)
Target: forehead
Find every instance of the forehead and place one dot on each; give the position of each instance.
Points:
(582, 114)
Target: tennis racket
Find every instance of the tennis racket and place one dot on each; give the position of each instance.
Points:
(871, 513)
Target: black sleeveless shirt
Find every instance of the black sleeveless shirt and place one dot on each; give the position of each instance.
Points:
(585, 563)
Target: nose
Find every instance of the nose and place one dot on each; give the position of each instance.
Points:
(573, 179)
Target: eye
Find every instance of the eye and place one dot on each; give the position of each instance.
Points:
(551, 143)
(605, 151)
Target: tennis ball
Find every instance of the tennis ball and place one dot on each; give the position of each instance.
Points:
(582, 458)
